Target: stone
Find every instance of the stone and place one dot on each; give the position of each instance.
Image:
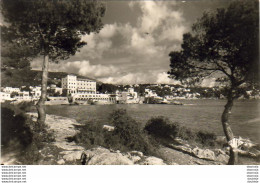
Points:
(72, 156)
(136, 153)
(152, 161)
(109, 159)
(108, 128)
(222, 158)
(96, 151)
(183, 148)
(135, 158)
(204, 154)
(61, 162)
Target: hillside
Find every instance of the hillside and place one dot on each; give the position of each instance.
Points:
(27, 77)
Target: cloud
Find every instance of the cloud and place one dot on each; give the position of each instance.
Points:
(83, 68)
(164, 79)
(140, 78)
(208, 82)
(131, 53)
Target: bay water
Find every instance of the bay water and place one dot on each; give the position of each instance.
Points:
(202, 114)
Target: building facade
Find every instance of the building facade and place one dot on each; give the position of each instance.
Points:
(75, 85)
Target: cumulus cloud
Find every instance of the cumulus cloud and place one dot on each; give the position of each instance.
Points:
(83, 68)
(140, 78)
(208, 82)
(130, 53)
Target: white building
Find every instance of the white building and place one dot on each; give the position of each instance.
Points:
(36, 92)
(76, 85)
(5, 96)
(23, 95)
(84, 97)
(128, 97)
(11, 90)
(150, 93)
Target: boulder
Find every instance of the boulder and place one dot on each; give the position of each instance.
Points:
(61, 162)
(97, 151)
(108, 128)
(222, 158)
(204, 153)
(135, 159)
(73, 156)
(109, 158)
(152, 161)
(136, 153)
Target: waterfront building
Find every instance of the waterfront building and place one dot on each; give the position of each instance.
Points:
(23, 95)
(127, 97)
(88, 97)
(11, 90)
(5, 96)
(56, 100)
(75, 85)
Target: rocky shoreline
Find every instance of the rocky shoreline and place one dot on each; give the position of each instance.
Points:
(69, 153)
(64, 152)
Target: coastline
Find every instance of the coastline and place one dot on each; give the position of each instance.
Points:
(65, 152)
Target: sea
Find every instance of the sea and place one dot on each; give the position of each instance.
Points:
(201, 114)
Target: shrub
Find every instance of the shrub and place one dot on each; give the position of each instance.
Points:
(206, 138)
(128, 133)
(161, 128)
(126, 136)
(19, 133)
(90, 134)
(15, 129)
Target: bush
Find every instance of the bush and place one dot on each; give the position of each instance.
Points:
(206, 138)
(160, 127)
(19, 133)
(90, 134)
(126, 136)
(15, 129)
(129, 134)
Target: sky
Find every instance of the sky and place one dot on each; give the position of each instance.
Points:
(134, 44)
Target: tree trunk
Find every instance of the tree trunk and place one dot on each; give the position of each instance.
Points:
(41, 103)
(228, 132)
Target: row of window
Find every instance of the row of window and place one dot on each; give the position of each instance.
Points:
(91, 98)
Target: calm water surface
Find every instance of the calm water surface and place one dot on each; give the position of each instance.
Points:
(197, 114)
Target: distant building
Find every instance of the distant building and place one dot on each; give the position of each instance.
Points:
(150, 93)
(101, 98)
(128, 97)
(76, 85)
(5, 96)
(36, 92)
(23, 95)
(11, 90)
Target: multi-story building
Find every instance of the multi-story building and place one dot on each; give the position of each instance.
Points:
(86, 86)
(23, 95)
(77, 85)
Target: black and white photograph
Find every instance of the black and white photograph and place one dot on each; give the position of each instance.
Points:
(88, 82)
